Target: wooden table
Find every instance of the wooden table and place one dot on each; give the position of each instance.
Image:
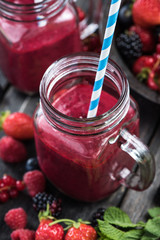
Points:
(134, 203)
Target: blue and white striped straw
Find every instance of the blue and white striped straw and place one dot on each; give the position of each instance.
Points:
(103, 60)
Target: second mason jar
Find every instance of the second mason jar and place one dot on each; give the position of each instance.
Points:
(88, 158)
(33, 34)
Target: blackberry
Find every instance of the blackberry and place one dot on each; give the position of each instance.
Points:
(41, 200)
(99, 214)
(129, 45)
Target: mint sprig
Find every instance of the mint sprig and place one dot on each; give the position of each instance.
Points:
(118, 226)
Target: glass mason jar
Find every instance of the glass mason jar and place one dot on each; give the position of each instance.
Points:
(33, 34)
(88, 159)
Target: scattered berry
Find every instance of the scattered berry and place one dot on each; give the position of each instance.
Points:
(41, 200)
(32, 164)
(45, 231)
(23, 234)
(99, 214)
(19, 125)
(4, 196)
(20, 185)
(146, 36)
(13, 192)
(16, 218)
(143, 62)
(146, 13)
(153, 81)
(81, 14)
(12, 150)
(10, 187)
(34, 181)
(125, 15)
(83, 231)
(129, 45)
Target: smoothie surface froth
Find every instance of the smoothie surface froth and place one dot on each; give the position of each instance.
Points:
(75, 101)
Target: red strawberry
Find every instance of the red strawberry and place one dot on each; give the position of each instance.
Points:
(143, 62)
(153, 81)
(16, 218)
(84, 232)
(78, 230)
(18, 125)
(23, 234)
(146, 12)
(44, 231)
(12, 150)
(35, 182)
(146, 36)
(81, 14)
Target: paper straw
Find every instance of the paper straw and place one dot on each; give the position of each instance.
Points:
(103, 60)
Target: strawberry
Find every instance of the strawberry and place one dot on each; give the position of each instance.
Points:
(153, 80)
(146, 13)
(44, 231)
(18, 125)
(143, 62)
(81, 14)
(84, 232)
(78, 230)
(12, 150)
(146, 36)
(23, 234)
(16, 218)
(35, 182)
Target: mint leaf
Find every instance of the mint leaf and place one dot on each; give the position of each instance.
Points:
(133, 235)
(154, 212)
(110, 231)
(153, 226)
(117, 217)
(149, 236)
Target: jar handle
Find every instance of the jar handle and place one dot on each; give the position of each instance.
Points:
(141, 179)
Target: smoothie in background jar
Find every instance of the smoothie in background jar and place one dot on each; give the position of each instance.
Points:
(32, 36)
(82, 157)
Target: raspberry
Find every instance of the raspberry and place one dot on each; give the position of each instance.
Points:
(12, 150)
(16, 218)
(23, 234)
(35, 182)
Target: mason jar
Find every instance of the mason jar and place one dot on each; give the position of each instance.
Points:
(33, 34)
(89, 158)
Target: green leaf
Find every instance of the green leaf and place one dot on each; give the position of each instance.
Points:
(133, 235)
(110, 231)
(149, 236)
(117, 217)
(153, 226)
(154, 212)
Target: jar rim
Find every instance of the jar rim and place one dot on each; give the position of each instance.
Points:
(20, 12)
(108, 117)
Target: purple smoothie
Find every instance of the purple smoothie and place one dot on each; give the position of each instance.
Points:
(82, 167)
(28, 48)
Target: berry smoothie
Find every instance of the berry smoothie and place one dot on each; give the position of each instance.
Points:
(83, 167)
(28, 48)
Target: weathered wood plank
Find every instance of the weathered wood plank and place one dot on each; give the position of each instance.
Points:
(137, 203)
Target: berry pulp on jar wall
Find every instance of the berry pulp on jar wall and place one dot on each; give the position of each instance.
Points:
(27, 48)
(82, 167)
